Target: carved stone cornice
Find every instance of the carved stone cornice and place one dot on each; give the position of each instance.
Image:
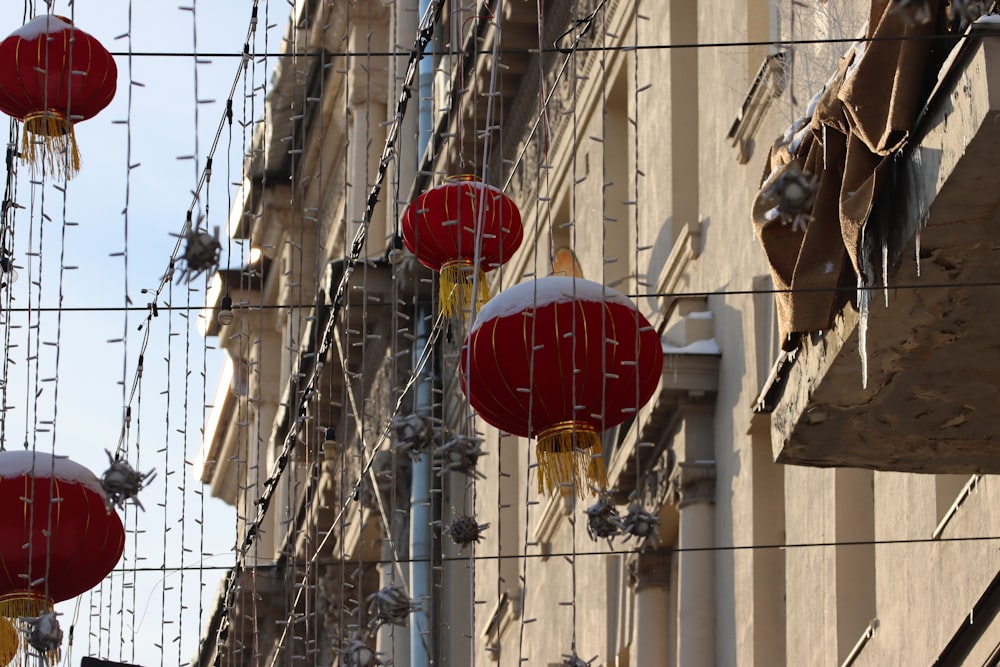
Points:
(651, 569)
(692, 482)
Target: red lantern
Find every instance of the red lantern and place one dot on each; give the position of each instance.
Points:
(58, 537)
(441, 227)
(561, 359)
(53, 75)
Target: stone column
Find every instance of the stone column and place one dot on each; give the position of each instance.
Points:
(693, 493)
(651, 577)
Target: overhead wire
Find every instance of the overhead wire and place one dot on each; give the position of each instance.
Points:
(781, 43)
(639, 548)
(153, 308)
(424, 35)
(672, 294)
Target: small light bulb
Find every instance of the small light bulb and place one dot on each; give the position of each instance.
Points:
(7, 268)
(330, 445)
(225, 315)
(396, 256)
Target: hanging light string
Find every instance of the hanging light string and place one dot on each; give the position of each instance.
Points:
(8, 209)
(490, 132)
(425, 33)
(637, 173)
(353, 494)
(202, 569)
(187, 368)
(344, 617)
(44, 425)
(249, 343)
(587, 25)
(101, 616)
(298, 270)
(541, 144)
(202, 181)
(128, 609)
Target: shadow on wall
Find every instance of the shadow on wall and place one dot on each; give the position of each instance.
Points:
(658, 257)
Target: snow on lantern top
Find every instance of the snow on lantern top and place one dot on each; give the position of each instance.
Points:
(58, 538)
(561, 359)
(53, 75)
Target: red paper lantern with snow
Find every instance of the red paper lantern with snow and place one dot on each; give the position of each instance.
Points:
(442, 228)
(58, 537)
(53, 75)
(561, 359)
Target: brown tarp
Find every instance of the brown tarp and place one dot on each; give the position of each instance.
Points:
(865, 114)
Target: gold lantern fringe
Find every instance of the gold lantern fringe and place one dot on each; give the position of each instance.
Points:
(570, 458)
(48, 139)
(10, 640)
(456, 287)
(13, 607)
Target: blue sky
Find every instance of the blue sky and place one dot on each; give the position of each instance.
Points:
(93, 375)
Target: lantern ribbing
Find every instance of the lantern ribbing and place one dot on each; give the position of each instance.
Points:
(442, 228)
(53, 75)
(559, 359)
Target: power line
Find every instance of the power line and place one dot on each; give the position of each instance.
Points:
(692, 294)
(582, 49)
(613, 552)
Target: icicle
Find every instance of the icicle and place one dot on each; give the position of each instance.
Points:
(916, 157)
(824, 146)
(864, 299)
(864, 296)
(885, 269)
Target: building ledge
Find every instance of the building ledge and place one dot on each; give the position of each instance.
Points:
(930, 398)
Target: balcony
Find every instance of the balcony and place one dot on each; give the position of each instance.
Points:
(930, 400)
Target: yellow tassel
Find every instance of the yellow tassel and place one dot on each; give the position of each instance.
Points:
(13, 607)
(570, 458)
(48, 139)
(456, 284)
(10, 640)
(25, 603)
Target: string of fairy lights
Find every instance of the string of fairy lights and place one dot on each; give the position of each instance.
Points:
(41, 245)
(306, 391)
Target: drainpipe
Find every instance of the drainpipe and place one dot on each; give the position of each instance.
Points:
(421, 514)
(425, 92)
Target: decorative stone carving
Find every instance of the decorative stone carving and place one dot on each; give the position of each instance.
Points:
(651, 568)
(692, 482)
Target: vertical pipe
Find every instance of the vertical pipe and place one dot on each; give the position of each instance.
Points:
(421, 512)
(425, 92)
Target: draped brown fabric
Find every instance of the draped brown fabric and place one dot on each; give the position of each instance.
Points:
(865, 114)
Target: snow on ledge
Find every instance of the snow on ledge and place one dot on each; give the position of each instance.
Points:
(705, 346)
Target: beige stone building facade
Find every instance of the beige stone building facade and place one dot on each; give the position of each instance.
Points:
(824, 493)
